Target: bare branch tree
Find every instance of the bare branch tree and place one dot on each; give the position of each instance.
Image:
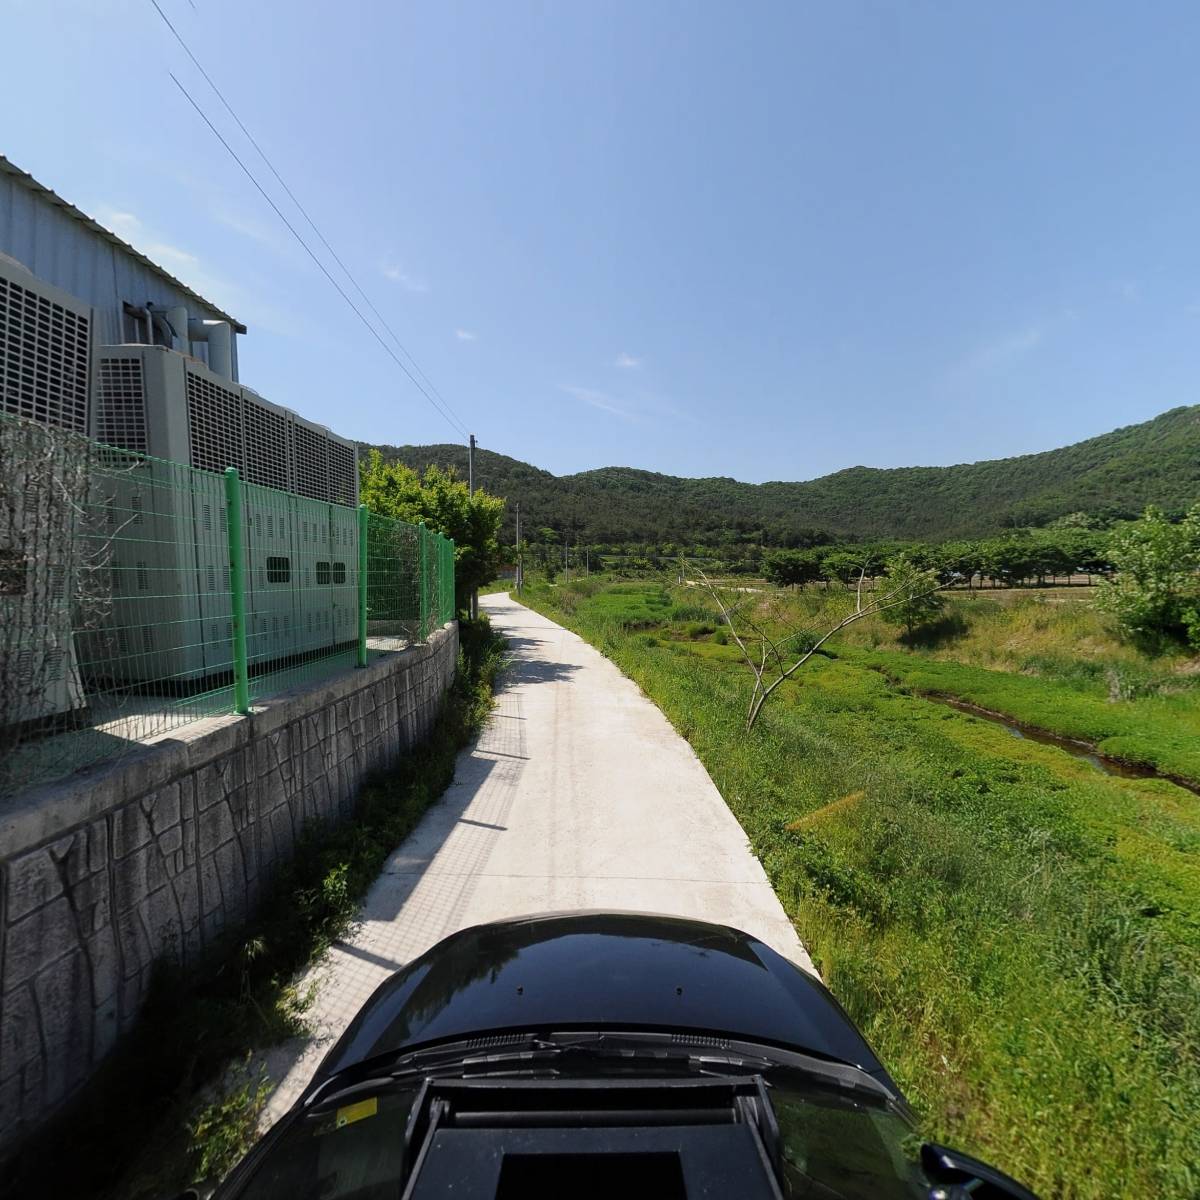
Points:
(764, 627)
(57, 531)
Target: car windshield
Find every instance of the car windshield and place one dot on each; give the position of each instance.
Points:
(853, 1151)
(831, 1143)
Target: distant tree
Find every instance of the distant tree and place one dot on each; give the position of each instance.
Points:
(915, 597)
(1008, 561)
(844, 566)
(1077, 520)
(1089, 549)
(1053, 556)
(792, 567)
(958, 562)
(1156, 591)
(444, 503)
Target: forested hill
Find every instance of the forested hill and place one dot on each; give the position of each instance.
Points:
(1115, 474)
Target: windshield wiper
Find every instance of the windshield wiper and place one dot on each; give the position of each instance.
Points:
(538, 1055)
(637, 1052)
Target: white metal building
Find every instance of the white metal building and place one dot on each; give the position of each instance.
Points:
(67, 249)
(98, 340)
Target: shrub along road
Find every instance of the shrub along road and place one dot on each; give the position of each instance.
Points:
(578, 795)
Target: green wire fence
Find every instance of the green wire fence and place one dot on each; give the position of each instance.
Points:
(137, 595)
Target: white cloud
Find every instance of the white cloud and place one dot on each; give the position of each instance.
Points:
(627, 361)
(464, 335)
(397, 274)
(248, 227)
(601, 401)
(164, 253)
(123, 223)
(128, 226)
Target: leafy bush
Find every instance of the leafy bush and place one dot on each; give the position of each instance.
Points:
(918, 602)
(225, 1129)
(1157, 589)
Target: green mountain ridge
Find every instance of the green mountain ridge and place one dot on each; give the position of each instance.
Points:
(1116, 474)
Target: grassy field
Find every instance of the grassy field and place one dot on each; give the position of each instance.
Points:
(1017, 933)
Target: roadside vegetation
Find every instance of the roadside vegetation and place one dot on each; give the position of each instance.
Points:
(172, 1105)
(1016, 932)
(439, 499)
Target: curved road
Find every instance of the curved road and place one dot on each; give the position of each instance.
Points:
(579, 794)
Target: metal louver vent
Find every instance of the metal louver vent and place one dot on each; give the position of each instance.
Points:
(310, 472)
(214, 424)
(266, 445)
(44, 353)
(121, 404)
(343, 473)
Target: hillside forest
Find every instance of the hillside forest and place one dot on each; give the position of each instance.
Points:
(620, 510)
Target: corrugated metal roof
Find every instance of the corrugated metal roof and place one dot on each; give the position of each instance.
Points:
(32, 184)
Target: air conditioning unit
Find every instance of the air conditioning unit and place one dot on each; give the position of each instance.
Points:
(45, 358)
(301, 561)
(45, 350)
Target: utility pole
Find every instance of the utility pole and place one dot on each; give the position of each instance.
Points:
(471, 492)
(519, 571)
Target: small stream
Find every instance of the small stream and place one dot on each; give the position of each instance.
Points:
(1110, 766)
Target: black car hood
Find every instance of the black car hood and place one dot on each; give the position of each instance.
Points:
(596, 971)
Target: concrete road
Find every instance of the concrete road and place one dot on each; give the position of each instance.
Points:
(579, 794)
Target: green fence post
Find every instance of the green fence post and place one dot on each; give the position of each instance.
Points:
(237, 589)
(424, 582)
(363, 519)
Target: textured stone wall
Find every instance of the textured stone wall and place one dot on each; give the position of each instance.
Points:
(157, 854)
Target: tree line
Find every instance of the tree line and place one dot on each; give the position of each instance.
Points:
(1016, 560)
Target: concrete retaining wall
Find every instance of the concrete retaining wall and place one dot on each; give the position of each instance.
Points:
(155, 855)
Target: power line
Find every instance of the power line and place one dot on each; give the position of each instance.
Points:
(292, 196)
(441, 404)
(453, 421)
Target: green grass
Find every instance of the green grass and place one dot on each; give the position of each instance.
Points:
(1053, 662)
(1158, 731)
(496, 586)
(167, 1108)
(1016, 933)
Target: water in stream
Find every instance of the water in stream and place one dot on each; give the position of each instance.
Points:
(1110, 766)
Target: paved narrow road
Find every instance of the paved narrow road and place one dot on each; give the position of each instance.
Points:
(579, 794)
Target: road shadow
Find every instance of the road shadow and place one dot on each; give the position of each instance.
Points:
(527, 663)
(420, 897)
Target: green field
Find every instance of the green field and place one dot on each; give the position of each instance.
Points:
(1016, 932)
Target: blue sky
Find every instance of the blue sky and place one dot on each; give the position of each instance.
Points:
(766, 241)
